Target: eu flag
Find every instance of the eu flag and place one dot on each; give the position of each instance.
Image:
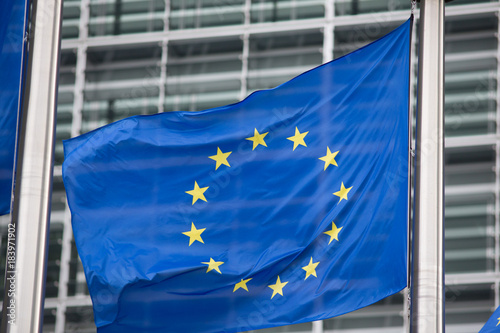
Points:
(12, 18)
(289, 206)
(493, 324)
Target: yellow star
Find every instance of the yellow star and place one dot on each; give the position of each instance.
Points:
(334, 233)
(258, 139)
(220, 158)
(194, 234)
(213, 265)
(197, 193)
(342, 194)
(278, 287)
(298, 138)
(329, 158)
(241, 284)
(311, 268)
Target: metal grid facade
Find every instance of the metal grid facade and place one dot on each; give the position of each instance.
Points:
(127, 57)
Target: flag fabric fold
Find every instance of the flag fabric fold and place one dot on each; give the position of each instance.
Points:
(289, 206)
(12, 27)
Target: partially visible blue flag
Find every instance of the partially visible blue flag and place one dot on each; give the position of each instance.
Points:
(493, 324)
(12, 27)
(290, 206)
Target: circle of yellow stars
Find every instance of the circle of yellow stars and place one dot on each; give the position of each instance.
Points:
(221, 158)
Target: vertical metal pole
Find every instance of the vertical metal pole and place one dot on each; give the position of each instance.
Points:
(317, 326)
(328, 31)
(245, 52)
(428, 267)
(28, 241)
(164, 58)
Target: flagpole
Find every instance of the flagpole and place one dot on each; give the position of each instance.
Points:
(427, 307)
(28, 231)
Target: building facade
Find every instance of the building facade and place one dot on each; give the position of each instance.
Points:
(126, 57)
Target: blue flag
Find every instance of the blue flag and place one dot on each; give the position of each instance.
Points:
(287, 207)
(493, 324)
(12, 19)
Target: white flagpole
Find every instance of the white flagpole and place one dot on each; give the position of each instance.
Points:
(427, 301)
(28, 232)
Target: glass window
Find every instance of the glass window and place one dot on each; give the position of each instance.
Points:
(77, 284)
(302, 328)
(120, 82)
(471, 75)
(49, 320)
(79, 320)
(354, 7)
(285, 10)
(116, 17)
(65, 101)
(468, 307)
(385, 314)
(71, 19)
(276, 58)
(189, 14)
(202, 75)
(469, 166)
(54, 260)
(469, 234)
(350, 38)
(467, 2)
